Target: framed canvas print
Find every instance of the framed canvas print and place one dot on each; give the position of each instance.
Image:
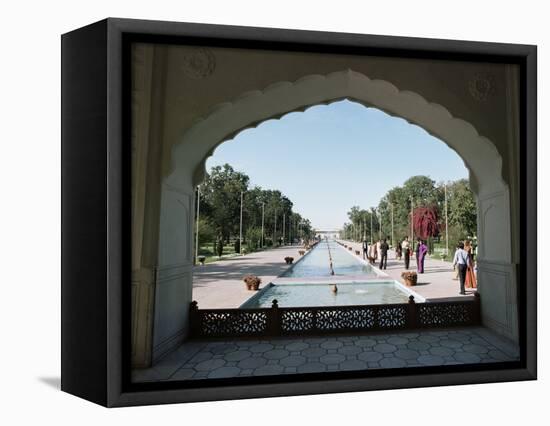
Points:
(252, 212)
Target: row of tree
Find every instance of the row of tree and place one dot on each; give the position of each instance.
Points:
(427, 201)
(220, 213)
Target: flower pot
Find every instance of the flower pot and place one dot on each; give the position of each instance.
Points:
(410, 282)
(252, 282)
(201, 259)
(253, 286)
(409, 278)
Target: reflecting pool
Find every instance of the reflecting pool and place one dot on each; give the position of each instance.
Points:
(307, 294)
(316, 263)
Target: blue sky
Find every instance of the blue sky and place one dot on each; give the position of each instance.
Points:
(332, 157)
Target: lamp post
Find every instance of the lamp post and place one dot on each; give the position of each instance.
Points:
(446, 225)
(197, 225)
(371, 213)
(275, 230)
(263, 225)
(284, 228)
(290, 230)
(392, 235)
(412, 228)
(380, 225)
(241, 227)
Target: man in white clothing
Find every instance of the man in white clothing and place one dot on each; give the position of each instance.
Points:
(462, 260)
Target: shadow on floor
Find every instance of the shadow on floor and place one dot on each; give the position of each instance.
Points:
(54, 382)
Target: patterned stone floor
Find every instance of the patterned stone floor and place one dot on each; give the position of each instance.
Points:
(234, 358)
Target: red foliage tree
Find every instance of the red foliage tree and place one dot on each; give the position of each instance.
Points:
(426, 222)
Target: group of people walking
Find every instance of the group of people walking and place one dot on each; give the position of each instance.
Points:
(372, 251)
(404, 250)
(464, 265)
(463, 262)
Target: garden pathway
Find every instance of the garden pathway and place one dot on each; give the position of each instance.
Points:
(220, 284)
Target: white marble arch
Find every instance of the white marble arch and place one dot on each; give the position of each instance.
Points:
(225, 120)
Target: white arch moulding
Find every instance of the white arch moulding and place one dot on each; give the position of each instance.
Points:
(227, 119)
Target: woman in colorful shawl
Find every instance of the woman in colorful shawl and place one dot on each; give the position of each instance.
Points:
(471, 281)
(422, 250)
(373, 253)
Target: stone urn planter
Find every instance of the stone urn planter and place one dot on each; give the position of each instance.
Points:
(289, 260)
(350, 248)
(357, 252)
(301, 252)
(201, 259)
(252, 282)
(410, 278)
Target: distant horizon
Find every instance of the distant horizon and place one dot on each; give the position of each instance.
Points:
(349, 154)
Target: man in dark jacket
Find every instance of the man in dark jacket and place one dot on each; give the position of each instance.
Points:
(406, 249)
(365, 247)
(384, 254)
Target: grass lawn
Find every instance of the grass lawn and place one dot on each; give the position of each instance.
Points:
(208, 251)
(228, 252)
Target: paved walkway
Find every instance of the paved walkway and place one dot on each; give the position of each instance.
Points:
(220, 284)
(238, 358)
(436, 283)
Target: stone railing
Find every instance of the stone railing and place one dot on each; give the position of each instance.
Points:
(277, 321)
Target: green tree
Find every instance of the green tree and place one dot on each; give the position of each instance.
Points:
(207, 234)
(417, 191)
(422, 190)
(462, 207)
(253, 238)
(221, 199)
(220, 206)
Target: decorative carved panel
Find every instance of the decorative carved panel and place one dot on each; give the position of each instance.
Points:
(233, 323)
(297, 321)
(443, 315)
(341, 319)
(392, 316)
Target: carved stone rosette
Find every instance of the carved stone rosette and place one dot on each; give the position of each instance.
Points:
(481, 86)
(199, 63)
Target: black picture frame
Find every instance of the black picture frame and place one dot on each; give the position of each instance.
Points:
(96, 221)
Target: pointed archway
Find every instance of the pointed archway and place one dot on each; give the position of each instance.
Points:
(495, 266)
